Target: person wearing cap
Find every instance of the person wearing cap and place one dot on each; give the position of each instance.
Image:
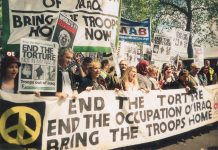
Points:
(185, 82)
(9, 74)
(194, 69)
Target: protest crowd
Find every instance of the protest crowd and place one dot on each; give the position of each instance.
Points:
(89, 74)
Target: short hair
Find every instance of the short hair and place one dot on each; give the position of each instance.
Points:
(152, 68)
(94, 62)
(104, 62)
(122, 61)
(207, 62)
(87, 60)
(63, 50)
(183, 71)
(194, 65)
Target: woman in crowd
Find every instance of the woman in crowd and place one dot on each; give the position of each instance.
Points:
(9, 74)
(152, 76)
(93, 80)
(168, 79)
(142, 70)
(129, 80)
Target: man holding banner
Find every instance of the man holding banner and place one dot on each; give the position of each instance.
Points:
(67, 82)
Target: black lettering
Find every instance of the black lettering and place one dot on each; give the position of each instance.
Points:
(94, 140)
(72, 106)
(51, 126)
(121, 101)
(52, 144)
(161, 97)
(51, 3)
(98, 103)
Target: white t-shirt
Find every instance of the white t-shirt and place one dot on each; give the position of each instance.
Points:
(66, 83)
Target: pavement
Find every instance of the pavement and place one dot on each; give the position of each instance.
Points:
(204, 138)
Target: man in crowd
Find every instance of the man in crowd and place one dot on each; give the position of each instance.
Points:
(83, 66)
(211, 75)
(194, 69)
(123, 65)
(111, 80)
(105, 66)
(67, 82)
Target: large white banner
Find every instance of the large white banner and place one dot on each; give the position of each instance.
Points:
(96, 19)
(38, 71)
(96, 121)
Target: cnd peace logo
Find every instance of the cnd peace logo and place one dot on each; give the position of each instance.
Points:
(22, 128)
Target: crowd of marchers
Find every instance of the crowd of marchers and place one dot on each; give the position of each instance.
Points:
(92, 74)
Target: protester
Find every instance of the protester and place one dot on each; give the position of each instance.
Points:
(67, 82)
(123, 66)
(9, 74)
(112, 71)
(203, 75)
(163, 69)
(82, 65)
(108, 74)
(105, 66)
(194, 69)
(168, 79)
(185, 82)
(142, 70)
(152, 76)
(93, 80)
(211, 75)
(178, 67)
(129, 80)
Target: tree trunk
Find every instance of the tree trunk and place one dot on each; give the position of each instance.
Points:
(189, 28)
(190, 48)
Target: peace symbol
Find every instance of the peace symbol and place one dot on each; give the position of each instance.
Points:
(21, 127)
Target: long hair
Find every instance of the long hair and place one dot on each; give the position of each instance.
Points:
(125, 78)
(6, 62)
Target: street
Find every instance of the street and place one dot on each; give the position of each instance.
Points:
(204, 138)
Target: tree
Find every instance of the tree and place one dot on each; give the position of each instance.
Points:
(0, 12)
(195, 16)
(138, 10)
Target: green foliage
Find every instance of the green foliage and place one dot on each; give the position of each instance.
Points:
(0, 12)
(137, 10)
(196, 16)
(0, 16)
